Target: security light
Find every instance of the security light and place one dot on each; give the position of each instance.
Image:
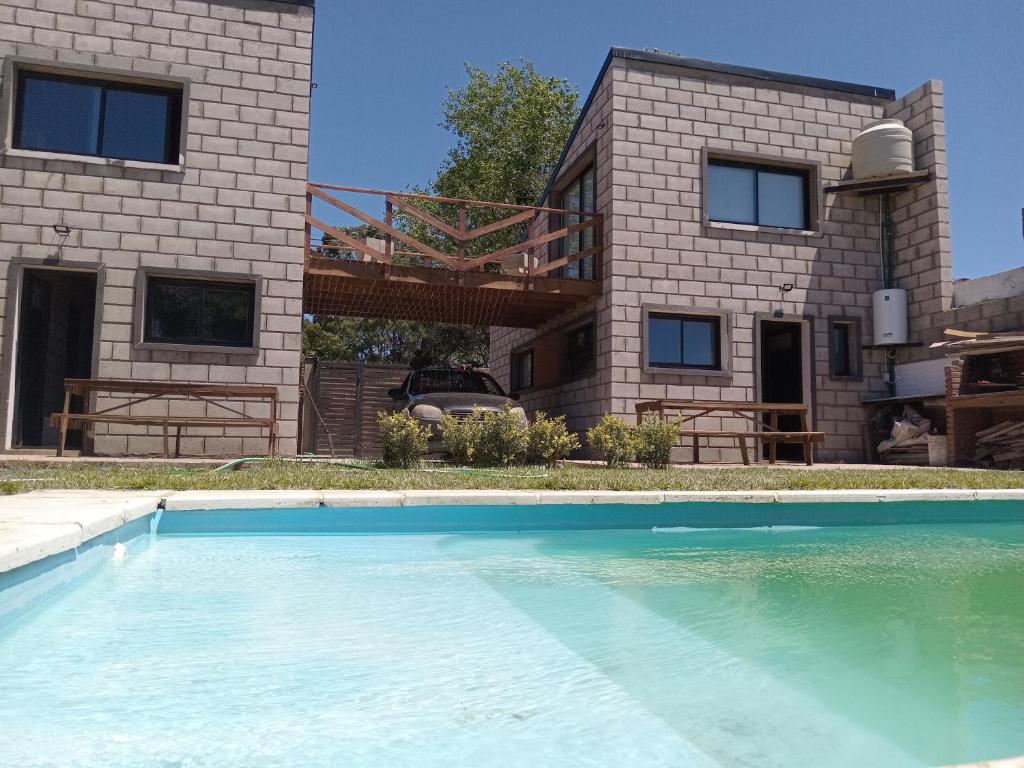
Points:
(62, 229)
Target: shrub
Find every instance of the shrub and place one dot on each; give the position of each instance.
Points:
(404, 439)
(460, 438)
(654, 441)
(503, 438)
(612, 441)
(550, 440)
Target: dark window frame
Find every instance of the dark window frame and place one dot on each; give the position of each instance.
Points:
(516, 383)
(175, 90)
(589, 365)
(142, 339)
(804, 174)
(715, 321)
(587, 162)
(854, 356)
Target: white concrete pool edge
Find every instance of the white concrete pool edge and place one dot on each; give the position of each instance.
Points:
(39, 524)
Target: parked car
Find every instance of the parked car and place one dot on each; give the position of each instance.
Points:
(429, 393)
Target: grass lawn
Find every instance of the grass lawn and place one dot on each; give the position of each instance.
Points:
(267, 475)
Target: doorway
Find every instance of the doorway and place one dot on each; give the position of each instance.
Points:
(783, 375)
(57, 310)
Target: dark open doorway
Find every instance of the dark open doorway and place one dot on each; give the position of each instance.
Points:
(782, 376)
(55, 342)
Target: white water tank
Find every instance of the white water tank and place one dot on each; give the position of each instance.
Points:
(883, 148)
(890, 316)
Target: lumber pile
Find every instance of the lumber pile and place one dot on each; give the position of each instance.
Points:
(1002, 444)
(913, 451)
(908, 440)
(979, 343)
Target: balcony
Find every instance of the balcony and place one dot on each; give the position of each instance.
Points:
(439, 259)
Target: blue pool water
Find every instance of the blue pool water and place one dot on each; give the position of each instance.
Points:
(881, 646)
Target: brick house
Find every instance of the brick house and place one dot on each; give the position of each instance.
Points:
(152, 191)
(728, 272)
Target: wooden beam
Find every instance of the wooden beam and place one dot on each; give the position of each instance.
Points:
(426, 218)
(543, 269)
(511, 221)
(395, 233)
(526, 244)
(347, 240)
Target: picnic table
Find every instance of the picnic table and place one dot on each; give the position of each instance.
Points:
(136, 392)
(760, 432)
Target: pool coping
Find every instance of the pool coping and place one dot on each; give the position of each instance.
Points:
(39, 524)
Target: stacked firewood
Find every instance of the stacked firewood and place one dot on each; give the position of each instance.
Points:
(1002, 444)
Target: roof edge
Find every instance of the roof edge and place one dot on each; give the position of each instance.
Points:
(634, 54)
(858, 89)
(576, 127)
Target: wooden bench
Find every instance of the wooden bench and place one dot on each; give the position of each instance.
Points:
(145, 391)
(769, 433)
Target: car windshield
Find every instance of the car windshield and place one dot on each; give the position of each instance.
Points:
(430, 382)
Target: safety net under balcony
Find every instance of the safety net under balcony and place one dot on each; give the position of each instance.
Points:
(447, 260)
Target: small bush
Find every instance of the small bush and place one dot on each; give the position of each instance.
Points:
(460, 438)
(612, 441)
(654, 441)
(503, 438)
(550, 440)
(404, 439)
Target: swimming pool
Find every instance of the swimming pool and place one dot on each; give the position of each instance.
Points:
(874, 645)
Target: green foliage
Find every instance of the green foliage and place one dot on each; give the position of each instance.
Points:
(612, 441)
(404, 439)
(510, 127)
(655, 439)
(503, 438)
(309, 475)
(550, 440)
(460, 438)
(418, 345)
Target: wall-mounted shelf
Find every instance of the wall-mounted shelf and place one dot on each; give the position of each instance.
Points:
(893, 346)
(937, 397)
(879, 185)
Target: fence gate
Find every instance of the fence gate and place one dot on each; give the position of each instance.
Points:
(347, 397)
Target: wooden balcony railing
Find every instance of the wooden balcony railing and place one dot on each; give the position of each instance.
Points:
(455, 245)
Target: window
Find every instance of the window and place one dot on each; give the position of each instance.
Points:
(98, 118)
(684, 341)
(579, 195)
(843, 347)
(580, 351)
(522, 370)
(763, 195)
(199, 312)
(436, 380)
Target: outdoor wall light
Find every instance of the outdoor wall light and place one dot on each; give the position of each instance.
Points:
(62, 229)
(786, 287)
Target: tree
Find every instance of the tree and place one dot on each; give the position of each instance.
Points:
(510, 128)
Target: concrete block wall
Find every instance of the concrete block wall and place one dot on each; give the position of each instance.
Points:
(924, 263)
(659, 251)
(586, 398)
(668, 256)
(237, 206)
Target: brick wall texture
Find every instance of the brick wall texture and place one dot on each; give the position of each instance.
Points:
(236, 208)
(649, 125)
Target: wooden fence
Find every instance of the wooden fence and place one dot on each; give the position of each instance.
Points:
(347, 397)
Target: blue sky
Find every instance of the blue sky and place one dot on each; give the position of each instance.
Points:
(382, 68)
